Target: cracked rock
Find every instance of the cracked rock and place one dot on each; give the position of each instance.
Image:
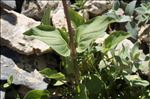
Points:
(97, 7)
(36, 9)
(13, 25)
(33, 80)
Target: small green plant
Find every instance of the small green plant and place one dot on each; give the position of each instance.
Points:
(9, 82)
(143, 13)
(133, 17)
(90, 70)
(79, 4)
(79, 39)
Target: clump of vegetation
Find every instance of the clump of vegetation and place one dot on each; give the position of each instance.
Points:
(91, 70)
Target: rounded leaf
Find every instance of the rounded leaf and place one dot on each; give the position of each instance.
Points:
(37, 94)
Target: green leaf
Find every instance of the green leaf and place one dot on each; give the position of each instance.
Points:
(82, 94)
(46, 17)
(130, 8)
(76, 18)
(68, 65)
(37, 94)
(140, 10)
(124, 18)
(113, 39)
(52, 74)
(57, 76)
(6, 85)
(143, 83)
(51, 37)
(45, 28)
(94, 85)
(65, 35)
(58, 83)
(93, 29)
(135, 80)
(132, 28)
(10, 80)
(116, 5)
(48, 71)
(135, 50)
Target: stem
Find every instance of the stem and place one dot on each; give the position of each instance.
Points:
(71, 43)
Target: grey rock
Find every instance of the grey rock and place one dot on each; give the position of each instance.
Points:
(2, 95)
(31, 62)
(33, 80)
(144, 34)
(9, 3)
(58, 17)
(13, 25)
(36, 9)
(97, 7)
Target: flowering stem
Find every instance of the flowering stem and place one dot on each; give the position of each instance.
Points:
(72, 43)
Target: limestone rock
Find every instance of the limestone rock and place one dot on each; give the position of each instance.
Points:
(33, 80)
(31, 62)
(97, 7)
(58, 17)
(9, 3)
(59, 20)
(2, 95)
(36, 9)
(13, 25)
(144, 34)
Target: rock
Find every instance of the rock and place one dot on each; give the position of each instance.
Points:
(33, 80)
(9, 3)
(36, 9)
(13, 25)
(144, 38)
(2, 95)
(31, 62)
(12, 5)
(58, 17)
(144, 34)
(97, 7)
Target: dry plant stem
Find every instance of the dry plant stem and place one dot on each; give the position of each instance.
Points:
(71, 43)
